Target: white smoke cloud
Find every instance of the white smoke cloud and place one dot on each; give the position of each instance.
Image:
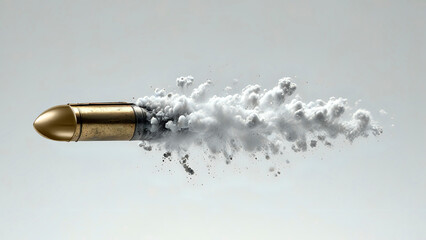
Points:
(252, 120)
(184, 81)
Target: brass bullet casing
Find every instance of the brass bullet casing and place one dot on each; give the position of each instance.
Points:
(101, 122)
(93, 122)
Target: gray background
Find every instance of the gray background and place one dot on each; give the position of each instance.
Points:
(55, 52)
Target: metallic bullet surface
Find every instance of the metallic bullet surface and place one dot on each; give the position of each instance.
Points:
(94, 122)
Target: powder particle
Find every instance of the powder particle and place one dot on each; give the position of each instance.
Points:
(313, 143)
(146, 146)
(167, 155)
(187, 168)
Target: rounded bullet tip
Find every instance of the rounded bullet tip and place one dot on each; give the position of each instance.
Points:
(57, 123)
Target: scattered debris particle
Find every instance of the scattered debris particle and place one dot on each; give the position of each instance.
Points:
(313, 143)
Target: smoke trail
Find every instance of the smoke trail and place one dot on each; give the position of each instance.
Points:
(252, 120)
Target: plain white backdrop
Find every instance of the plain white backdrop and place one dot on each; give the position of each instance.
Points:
(56, 52)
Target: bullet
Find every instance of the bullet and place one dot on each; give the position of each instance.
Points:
(116, 121)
